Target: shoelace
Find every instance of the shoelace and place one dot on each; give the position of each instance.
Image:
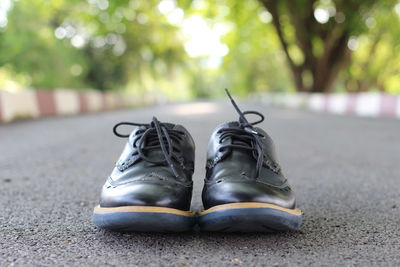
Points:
(245, 136)
(155, 136)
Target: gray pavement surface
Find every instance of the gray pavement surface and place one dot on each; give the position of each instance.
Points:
(345, 172)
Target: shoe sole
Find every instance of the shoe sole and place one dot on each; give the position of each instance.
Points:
(249, 217)
(143, 219)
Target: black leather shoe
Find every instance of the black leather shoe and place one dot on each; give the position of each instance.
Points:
(245, 190)
(150, 188)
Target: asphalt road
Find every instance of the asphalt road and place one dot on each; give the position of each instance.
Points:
(345, 172)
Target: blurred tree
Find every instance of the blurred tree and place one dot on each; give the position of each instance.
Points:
(132, 39)
(316, 36)
(96, 43)
(376, 61)
(255, 61)
(28, 46)
(254, 45)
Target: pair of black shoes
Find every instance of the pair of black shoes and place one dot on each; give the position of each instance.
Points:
(150, 189)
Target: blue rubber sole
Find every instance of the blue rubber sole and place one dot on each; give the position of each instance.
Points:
(249, 217)
(143, 219)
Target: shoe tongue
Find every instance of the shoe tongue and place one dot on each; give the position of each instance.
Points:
(167, 125)
(230, 140)
(231, 124)
(153, 140)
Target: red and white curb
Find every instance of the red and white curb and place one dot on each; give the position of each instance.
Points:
(360, 104)
(36, 103)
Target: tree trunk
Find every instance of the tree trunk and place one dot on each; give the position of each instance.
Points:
(324, 68)
(298, 80)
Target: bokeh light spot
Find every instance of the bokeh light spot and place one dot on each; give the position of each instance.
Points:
(321, 15)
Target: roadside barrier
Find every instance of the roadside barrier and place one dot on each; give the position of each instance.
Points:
(360, 104)
(29, 104)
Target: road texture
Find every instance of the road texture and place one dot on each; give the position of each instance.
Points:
(345, 172)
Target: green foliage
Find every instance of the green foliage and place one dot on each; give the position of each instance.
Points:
(376, 62)
(28, 46)
(288, 45)
(102, 44)
(273, 43)
(255, 61)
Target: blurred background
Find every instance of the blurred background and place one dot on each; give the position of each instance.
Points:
(192, 49)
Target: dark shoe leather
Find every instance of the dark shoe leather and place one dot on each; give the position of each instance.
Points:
(237, 173)
(144, 177)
